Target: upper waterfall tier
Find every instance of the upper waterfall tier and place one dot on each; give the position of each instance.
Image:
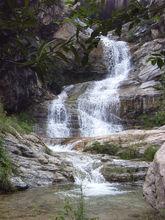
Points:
(94, 110)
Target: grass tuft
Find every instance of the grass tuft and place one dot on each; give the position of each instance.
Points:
(22, 122)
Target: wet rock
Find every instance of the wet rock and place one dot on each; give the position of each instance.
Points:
(18, 184)
(124, 171)
(154, 186)
(34, 163)
(106, 158)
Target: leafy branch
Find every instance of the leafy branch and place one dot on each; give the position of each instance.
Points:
(158, 58)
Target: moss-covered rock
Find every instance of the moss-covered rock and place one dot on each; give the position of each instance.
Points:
(124, 151)
(124, 171)
(103, 148)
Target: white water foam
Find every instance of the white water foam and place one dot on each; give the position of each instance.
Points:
(58, 117)
(99, 106)
(86, 173)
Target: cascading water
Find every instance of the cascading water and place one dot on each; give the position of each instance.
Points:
(97, 110)
(58, 117)
(99, 106)
(86, 171)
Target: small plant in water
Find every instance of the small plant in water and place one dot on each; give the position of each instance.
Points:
(74, 212)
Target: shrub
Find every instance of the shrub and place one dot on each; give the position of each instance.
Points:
(105, 148)
(5, 169)
(129, 153)
(150, 153)
(151, 121)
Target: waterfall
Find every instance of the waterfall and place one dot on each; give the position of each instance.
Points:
(58, 117)
(98, 107)
(96, 112)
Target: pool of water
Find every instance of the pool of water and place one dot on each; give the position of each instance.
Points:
(46, 203)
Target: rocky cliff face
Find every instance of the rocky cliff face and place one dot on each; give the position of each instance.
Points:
(19, 87)
(139, 92)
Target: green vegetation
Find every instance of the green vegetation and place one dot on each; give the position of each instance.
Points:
(158, 119)
(129, 153)
(21, 122)
(10, 124)
(23, 45)
(105, 148)
(118, 170)
(21, 41)
(6, 169)
(158, 58)
(150, 153)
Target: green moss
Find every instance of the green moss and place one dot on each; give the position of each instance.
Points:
(105, 148)
(117, 170)
(150, 153)
(130, 36)
(5, 169)
(128, 153)
(158, 119)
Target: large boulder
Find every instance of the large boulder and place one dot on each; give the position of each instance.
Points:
(34, 164)
(124, 171)
(154, 186)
